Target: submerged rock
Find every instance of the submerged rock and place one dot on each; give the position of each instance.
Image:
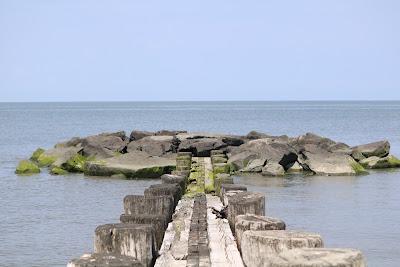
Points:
(26, 167)
(133, 165)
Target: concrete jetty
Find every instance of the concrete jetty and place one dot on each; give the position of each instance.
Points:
(198, 217)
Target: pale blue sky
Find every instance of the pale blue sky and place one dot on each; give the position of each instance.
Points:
(91, 50)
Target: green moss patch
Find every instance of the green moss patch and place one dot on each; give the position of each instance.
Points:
(76, 163)
(26, 167)
(393, 162)
(45, 161)
(358, 168)
(58, 171)
(35, 156)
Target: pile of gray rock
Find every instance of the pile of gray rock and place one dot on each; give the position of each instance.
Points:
(150, 154)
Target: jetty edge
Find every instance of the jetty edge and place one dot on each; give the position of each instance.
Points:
(184, 222)
(151, 154)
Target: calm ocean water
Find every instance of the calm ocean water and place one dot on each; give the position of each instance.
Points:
(47, 220)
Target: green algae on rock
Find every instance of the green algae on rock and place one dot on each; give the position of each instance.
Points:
(36, 154)
(26, 167)
(133, 165)
(58, 171)
(76, 163)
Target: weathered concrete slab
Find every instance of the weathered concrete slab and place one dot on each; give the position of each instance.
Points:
(164, 190)
(321, 257)
(104, 260)
(175, 179)
(198, 250)
(256, 223)
(135, 240)
(230, 189)
(159, 223)
(223, 248)
(245, 203)
(174, 249)
(260, 248)
(157, 205)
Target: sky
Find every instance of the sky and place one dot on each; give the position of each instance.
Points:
(126, 50)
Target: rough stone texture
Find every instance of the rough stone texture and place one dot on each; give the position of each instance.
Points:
(133, 165)
(57, 156)
(156, 205)
(137, 135)
(273, 169)
(159, 223)
(378, 149)
(198, 250)
(255, 165)
(256, 223)
(326, 163)
(104, 260)
(219, 179)
(135, 240)
(201, 147)
(174, 249)
(104, 145)
(252, 135)
(26, 167)
(245, 203)
(174, 179)
(229, 190)
(223, 248)
(380, 163)
(321, 257)
(259, 248)
(154, 145)
(165, 190)
(276, 150)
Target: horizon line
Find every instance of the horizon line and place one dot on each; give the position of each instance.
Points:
(172, 101)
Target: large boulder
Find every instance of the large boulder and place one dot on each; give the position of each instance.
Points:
(380, 163)
(155, 145)
(137, 135)
(326, 163)
(324, 156)
(273, 169)
(377, 149)
(105, 259)
(26, 167)
(105, 145)
(136, 164)
(252, 135)
(250, 155)
(201, 147)
(57, 156)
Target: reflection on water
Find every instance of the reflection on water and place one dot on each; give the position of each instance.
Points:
(358, 211)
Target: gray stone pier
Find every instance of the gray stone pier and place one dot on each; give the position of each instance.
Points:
(245, 203)
(134, 240)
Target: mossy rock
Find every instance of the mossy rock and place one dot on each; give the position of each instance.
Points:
(76, 163)
(381, 163)
(358, 168)
(58, 171)
(45, 160)
(221, 168)
(35, 156)
(26, 167)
